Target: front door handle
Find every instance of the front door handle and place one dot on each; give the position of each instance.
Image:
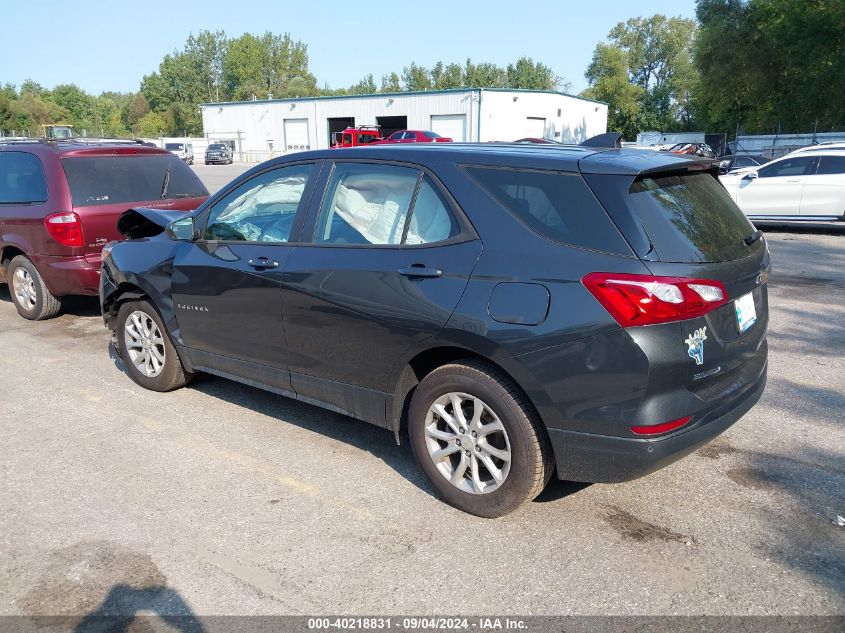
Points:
(418, 270)
(263, 263)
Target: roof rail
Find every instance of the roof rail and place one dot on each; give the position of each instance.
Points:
(93, 140)
(23, 141)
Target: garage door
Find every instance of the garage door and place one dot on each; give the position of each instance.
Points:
(535, 127)
(453, 126)
(296, 135)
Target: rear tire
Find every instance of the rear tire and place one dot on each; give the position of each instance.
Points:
(146, 349)
(30, 294)
(478, 439)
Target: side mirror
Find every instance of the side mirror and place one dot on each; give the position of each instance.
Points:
(751, 175)
(182, 229)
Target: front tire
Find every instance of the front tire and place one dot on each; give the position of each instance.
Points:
(478, 439)
(146, 349)
(30, 294)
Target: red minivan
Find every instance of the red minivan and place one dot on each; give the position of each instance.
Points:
(59, 204)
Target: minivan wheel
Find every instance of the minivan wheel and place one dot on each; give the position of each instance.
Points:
(29, 292)
(146, 349)
(478, 439)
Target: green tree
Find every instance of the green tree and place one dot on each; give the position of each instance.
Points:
(528, 74)
(608, 78)
(485, 75)
(416, 78)
(390, 83)
(270, 64)
(135, 110)
(769, 65)
(367, 85)
(645, 73)
(79, 105)
(152, 125)
(208, 49)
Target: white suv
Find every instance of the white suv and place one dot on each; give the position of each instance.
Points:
(185, 151)
(808, 184)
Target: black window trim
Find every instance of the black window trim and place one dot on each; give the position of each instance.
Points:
(204, 212)
(466, 233)
(465, 167)
(30, 203)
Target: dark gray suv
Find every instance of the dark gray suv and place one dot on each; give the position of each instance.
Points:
(521, 311)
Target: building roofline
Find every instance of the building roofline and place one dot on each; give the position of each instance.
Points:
(374, 95)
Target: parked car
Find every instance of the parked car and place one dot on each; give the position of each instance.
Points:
(519, 310)
(185, 151)
(731, 162)
(538, 141)
(59, 203)
(415, 136)
(695, 149)
(218, 154)
(355, 136)
(803, 185)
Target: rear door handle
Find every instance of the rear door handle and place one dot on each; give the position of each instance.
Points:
(420, 271)
(263, 263)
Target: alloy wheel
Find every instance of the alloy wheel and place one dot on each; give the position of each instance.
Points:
(467, 443)
(24, 287)
(144, 343)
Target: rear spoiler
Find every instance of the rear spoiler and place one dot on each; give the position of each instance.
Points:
(608, 139)
(146, 222)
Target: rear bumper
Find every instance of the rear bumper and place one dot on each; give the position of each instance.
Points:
(605, 459)
(69, 275)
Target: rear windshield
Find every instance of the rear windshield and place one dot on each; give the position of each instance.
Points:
(557, 205)
(690, 218)
(431, 134)
(99, 180)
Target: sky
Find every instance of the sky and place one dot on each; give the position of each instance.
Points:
(103, 46)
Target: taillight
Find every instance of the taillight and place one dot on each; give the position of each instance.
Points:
(65, 228)
(645, 299)
(665, 427)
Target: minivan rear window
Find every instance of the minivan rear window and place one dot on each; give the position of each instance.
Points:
(99, 180)
(557, 205)
(690, 218)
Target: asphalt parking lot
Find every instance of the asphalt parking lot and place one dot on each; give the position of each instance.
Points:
(242, 502)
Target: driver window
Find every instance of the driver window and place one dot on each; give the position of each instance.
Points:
(262, 209)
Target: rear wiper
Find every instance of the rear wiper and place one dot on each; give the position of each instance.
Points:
(756, 235)
(165, 184)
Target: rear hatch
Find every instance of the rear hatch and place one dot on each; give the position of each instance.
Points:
(105, 183)
(681, 223)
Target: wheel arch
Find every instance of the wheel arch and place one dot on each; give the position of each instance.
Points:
(7, 253)
(422, 362)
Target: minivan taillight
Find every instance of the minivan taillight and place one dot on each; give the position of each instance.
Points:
(65, 228)
(646, 299)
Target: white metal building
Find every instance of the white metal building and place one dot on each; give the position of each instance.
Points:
(265, 128)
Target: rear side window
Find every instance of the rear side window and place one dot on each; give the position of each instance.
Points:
(22, 179)
(99, 180)
(690, 218)
(831, 165)
(430, 218)
(798, 166)
(556, 205)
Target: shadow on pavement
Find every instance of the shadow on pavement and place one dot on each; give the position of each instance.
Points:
(74, 306)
